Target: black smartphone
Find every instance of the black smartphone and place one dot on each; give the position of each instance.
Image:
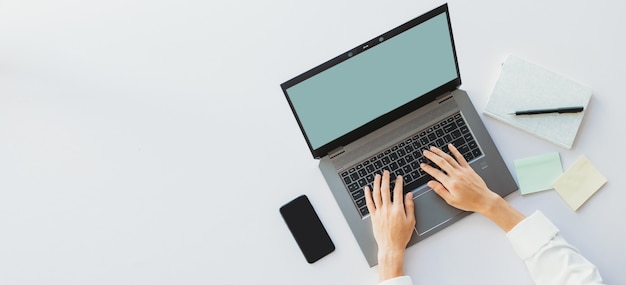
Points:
(307, 229)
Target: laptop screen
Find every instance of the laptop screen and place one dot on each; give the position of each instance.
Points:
(369, 84)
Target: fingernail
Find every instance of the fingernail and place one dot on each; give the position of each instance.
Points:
(409, 195)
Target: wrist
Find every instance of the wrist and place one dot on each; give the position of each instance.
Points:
(390, 264)
(502, 213)
(492, 205)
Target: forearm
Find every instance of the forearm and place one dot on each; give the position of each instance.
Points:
(390, 264)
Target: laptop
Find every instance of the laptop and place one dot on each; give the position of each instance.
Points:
(377, 106)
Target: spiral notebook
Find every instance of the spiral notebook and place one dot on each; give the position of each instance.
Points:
(526, 86)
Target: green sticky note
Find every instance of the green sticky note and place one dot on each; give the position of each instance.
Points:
(579, 182)
(537, 173)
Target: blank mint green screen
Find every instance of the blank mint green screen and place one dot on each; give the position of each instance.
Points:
(373, 83)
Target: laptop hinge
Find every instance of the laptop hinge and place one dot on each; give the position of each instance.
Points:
(336, 152)
(445, 97)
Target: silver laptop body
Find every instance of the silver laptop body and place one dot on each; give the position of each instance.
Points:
(377, 106)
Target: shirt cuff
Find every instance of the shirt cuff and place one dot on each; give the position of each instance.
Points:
(531, 234)
(401, 280)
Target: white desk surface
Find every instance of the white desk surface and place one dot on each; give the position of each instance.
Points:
(148, 142)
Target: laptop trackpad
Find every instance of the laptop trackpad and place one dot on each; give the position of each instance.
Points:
(431, 210)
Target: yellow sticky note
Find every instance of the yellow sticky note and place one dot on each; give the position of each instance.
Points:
(579, 183)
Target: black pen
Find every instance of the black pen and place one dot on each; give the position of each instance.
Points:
(577, 109)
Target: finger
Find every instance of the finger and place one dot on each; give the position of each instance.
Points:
(457, 155)
(437, 160)
(409, 207)
(368, 200)
(434, 172)
(440, 190)
(397, 190)
(446, 157)
(377, 198)
(384, 188)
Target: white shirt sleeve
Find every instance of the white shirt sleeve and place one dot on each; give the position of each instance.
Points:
(549, 258)
(401, 280)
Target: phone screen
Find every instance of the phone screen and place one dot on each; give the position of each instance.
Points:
(307, 229)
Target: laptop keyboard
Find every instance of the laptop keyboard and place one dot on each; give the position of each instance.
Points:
(405, 157)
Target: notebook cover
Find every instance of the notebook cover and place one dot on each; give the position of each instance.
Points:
(526, 86)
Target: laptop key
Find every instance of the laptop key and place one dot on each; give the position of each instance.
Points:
(353, 187)
(364, 211)
(432, 137)
(458, 142)
(439, 143)
(446, 149)
(416, 144)
(407, 168)
(472, 144)
(408, 148)
(354, 176)
(393, 156)
(409, 158)
(450, 127)
(386, 160)
(347, 180)
(393, 166)
(392, 179)
(463, 149)
(407, 178)
(361, 202)
(464, 129)
(358, 194)
(455, 134)
(378, 164)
